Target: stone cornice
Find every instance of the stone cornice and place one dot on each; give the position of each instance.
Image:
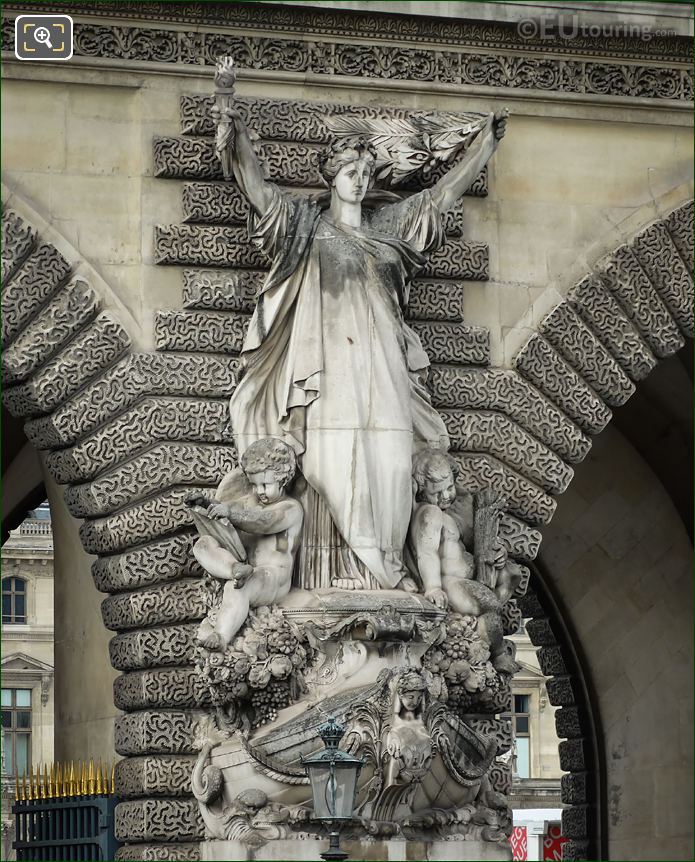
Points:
(381, 27)
(379, 62)
(46, 633)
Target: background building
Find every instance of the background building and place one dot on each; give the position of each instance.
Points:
(535, 798)
(27, 655)
(596, 167)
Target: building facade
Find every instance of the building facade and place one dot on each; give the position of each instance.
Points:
(536, 793)
(27, 654)
(568, 321)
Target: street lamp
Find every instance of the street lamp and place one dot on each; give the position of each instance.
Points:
(333, 776)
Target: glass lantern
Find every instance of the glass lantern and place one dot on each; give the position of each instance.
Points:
(333, 775)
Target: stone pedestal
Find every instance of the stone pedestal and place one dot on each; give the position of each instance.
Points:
(393, 851)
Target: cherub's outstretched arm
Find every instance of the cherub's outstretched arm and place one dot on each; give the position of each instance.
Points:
(258, 520)
(245, 164)
(456, 181)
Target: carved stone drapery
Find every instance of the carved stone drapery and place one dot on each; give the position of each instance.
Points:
(118, 390)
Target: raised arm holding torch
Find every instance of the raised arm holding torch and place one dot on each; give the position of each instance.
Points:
(225, 77)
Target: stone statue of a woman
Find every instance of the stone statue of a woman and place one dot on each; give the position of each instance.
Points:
(330, 365)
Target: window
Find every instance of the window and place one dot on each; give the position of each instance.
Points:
(520, 731)
(16, 730)
(14, 600)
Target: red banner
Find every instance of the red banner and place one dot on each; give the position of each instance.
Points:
(552, 843)
(519, 841)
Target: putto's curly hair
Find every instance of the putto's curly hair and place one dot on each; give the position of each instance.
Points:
(433, 465)
(341, 152)
(270, 455)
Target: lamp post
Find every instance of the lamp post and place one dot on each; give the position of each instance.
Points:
(333, 776)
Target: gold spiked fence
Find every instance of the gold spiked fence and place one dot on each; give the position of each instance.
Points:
(66, 811)
(62, 780)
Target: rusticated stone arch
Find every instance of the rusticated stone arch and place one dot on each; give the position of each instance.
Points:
(131, 434)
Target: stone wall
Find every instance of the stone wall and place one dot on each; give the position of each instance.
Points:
(589, 163)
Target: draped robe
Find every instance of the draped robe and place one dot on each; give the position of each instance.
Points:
(332, 368)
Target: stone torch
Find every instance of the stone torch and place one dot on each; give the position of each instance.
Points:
(225, 77)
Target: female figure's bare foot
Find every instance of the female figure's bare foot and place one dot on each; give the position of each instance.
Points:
(346, 584)
(407, 584)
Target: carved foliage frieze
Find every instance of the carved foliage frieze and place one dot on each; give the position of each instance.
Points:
(378, 60)
(386, 27)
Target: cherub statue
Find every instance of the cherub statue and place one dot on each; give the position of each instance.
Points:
(249, 537)
(445, 566)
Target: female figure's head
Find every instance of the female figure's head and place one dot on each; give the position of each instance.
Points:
(347, 168)
(410, 691)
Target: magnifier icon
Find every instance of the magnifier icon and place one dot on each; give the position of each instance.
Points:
(43, 36)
